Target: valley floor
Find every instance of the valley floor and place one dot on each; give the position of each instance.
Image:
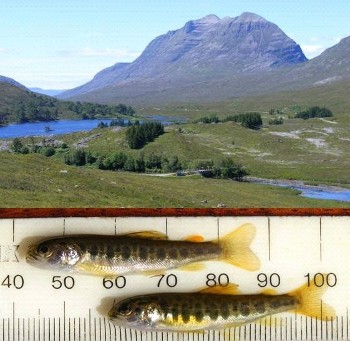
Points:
(37, 181)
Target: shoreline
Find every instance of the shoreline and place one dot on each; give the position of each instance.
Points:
(295, 184)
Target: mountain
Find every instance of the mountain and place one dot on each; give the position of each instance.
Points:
(49, 92)
(11, 81)
(203, 51)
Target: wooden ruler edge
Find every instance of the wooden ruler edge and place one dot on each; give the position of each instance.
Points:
(162, 212)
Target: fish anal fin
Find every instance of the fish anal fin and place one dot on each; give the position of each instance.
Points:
(148, 235)
(230, 289)
(269, 292)
(195, 239)
(192, 267)
(311, 304)
(236, 248)
(153, 273)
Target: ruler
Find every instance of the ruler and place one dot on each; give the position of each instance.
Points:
(40, 305)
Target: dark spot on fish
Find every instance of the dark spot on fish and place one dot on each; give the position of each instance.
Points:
(185, 312)
(175, 311)
(199, 251)
(225, 312)
(142, 252)
(110, 251)
(259, 307)
(234, 307)
(214, 312)
(94, 251)
(198, 312)
(244, 308)
(82, 247)
(161, 253)
(173, 253)
(184, 252)
(275, 304)
(126, 252)
(138, 310)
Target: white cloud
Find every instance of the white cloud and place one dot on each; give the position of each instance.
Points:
(312, 51)
(89, 52)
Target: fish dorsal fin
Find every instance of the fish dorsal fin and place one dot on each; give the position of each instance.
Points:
(230, 289)
(196, 238)
(148, 235)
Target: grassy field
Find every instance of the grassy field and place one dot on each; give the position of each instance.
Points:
(315, 150)
(37, 181)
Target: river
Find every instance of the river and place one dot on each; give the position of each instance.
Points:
(314, 192)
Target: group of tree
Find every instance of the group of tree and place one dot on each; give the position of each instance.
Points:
(120, 161)
(251, 120)
(313, 112)
(91, 110)
(35, 111)
(225, 168)
(139, 134)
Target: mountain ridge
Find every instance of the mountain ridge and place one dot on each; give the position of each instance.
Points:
(202, 48)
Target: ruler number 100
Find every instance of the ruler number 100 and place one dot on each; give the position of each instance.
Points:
(320, 279)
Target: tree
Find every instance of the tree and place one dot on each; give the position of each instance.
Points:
(17, 145)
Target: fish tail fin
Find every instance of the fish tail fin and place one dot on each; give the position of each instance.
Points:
(236, 248)
(311, 303)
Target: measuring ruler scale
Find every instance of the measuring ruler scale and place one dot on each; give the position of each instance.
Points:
(38, 304)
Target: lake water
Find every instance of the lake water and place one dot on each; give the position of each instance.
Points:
(61, 127)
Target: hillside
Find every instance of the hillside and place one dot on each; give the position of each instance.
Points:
(206, 49)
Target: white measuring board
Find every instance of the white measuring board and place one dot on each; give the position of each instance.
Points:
(40, 305)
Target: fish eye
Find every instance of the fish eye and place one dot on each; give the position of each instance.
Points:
(125, 309)
(43, 250)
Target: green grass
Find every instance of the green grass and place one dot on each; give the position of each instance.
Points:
(36, 181)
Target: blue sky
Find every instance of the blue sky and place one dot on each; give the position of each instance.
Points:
(60, 44)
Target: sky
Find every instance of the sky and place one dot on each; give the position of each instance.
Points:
(61, 44)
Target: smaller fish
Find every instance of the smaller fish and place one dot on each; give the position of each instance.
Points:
(147, 251)
(190, 312)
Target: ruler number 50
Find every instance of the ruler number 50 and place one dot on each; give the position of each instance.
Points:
(67, 282)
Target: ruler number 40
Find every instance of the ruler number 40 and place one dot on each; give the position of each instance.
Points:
(16, 281)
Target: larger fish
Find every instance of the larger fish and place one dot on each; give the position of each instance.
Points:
(138, 252)
(202, 311)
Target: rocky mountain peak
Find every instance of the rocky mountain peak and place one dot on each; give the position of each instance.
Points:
(249, 17)
(205, 47)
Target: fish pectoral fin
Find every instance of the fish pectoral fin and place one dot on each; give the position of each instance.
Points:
(148, 235)
(192, 267)
(95, 270)
(196, 238)
(230, 289)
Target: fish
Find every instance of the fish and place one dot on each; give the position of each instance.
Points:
(205, 310)
(141, 252)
